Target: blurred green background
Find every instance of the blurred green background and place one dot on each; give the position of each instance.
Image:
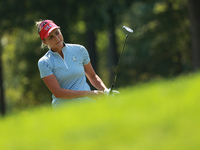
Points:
(165, 42)
(160, 115)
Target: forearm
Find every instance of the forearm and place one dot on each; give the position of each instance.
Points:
(53, 85)
(94, 78)
(97, 83)
(71, 94)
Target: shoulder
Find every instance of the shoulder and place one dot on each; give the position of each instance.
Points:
(75, 46)
(76, 49)
(45, 58)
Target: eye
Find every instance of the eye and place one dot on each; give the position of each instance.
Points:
(57, 32)
(50, 37)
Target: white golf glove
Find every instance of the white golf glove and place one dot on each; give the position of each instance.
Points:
(107, 92)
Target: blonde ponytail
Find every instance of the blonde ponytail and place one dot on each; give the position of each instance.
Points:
(37, 23)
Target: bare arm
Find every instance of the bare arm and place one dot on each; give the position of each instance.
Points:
(94, 78)
(54, 86)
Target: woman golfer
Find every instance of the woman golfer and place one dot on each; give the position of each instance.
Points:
(65, 66)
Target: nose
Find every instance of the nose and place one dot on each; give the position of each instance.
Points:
(56, 37)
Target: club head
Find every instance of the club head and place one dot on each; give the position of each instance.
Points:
(128, 29)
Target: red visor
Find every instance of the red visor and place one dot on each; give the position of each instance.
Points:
(46, 27)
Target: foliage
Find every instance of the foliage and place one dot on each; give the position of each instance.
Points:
(23, 84)
(160, 45)
(160, 115)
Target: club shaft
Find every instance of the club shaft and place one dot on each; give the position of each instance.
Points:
(116, 71)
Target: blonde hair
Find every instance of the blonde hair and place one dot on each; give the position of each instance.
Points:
(37, 23)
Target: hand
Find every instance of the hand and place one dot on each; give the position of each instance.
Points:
(96, 94)
(99, 93)
(107, 92)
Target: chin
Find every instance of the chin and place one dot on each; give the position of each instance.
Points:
(61, 44)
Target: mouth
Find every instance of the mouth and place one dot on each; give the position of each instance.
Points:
(58, 42)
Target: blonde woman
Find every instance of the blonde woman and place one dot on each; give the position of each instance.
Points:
(64, 68)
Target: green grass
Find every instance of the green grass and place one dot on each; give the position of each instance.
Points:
(161, 115)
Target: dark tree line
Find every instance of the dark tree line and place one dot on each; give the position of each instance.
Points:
(194, 14)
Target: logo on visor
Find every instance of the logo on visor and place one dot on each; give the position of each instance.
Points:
(47, 27)
(43, 24)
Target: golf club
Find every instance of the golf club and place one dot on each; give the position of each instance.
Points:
(129, 30)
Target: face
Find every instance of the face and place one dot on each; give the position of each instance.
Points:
(54, 40)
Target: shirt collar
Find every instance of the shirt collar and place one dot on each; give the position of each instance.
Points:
(63, 49)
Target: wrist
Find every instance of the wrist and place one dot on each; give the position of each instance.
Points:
(107, 91)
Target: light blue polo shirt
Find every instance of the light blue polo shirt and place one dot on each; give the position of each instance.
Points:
(69, 71)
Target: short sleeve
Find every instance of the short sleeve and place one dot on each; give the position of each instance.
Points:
(86, 57)
(45, 68)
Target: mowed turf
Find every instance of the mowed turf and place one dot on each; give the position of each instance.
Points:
(160, 115)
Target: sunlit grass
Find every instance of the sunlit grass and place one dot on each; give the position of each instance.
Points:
(160, 115)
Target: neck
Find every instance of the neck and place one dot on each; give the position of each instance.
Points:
(59, 50)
